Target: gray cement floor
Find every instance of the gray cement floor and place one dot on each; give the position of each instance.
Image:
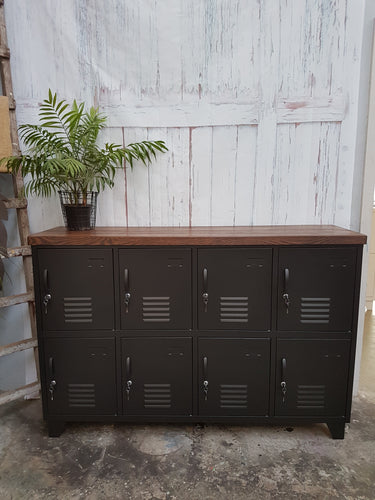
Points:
(155, 462)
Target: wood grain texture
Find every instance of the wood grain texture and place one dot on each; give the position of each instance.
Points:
(227, 236)
(5, 141)
(26, 390)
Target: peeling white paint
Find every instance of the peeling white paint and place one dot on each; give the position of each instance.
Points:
(256, 100)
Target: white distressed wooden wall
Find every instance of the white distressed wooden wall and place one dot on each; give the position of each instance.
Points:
(256, 100)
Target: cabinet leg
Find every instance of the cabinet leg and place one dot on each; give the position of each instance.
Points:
(55, 428)
(337, 429)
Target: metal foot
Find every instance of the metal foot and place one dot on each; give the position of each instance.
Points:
(337, 429)
(55, 428)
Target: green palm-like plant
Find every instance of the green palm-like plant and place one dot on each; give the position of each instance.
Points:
(63, 154)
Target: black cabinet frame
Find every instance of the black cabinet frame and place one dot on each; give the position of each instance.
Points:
(275, 336)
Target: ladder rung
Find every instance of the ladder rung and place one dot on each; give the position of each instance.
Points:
(25, 390)
(12, 300)
(21, 345)
(18, 252)
(16, 203)
(4, 52)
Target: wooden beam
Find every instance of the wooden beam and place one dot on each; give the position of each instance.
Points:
(4, 52)
(16, 203)
(21, 345)
(8, 396)
(18, 252)
(308, 109)
(12, 300)
(295, 109)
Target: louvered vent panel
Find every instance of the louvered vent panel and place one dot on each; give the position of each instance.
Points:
(81, 395)
(156, 309)
(311, 396)
(233, 396)
(157, 395)
(315, 310)
(234, 309)
(78, 309)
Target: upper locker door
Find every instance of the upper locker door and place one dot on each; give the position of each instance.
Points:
(76, 289)
(234, 289)
(155, 288)
(316, 289)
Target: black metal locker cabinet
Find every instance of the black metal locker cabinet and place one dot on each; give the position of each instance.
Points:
(234, 288)
(157, 376)
(316, 289)
(76, 289)
(80, 376)
(155, 288)
(234, 376)
(312, 377)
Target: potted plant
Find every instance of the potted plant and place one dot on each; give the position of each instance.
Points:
(63, 157)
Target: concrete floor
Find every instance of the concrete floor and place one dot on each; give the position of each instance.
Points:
(155, 462)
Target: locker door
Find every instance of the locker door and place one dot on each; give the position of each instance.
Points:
(155, 288)
(234, 289)
(79, 284)
(81, 376)
(234, 376)
(157, 376)
(315, 373)
(316, 289)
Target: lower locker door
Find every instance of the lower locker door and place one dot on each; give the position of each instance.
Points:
(311, 377)
(157, 376)
(80, 376)
(234, 376)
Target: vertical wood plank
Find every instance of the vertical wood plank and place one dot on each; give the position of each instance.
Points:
(111, 201)
(348, 198)
(245, 181)
(138, 185)
(306, 195)
(311, 65)
(266, 146)
(201, 175)
(169, 179)
(223, 175)
(326, 174)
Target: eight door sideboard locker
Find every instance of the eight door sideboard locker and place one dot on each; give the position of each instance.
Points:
(202, 325)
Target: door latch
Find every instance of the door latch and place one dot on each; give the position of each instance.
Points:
(46, 299)
(129, 383)
(205, 301)
(127, 300)
(286, 301)
(52, 387)
(283, 378)
(283, 390)
(205, 389)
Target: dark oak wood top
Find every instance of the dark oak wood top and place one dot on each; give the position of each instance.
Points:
(216, 235)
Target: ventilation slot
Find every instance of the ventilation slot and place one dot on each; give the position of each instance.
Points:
(233, 396)
(156, 309)
(157, 395)
(81, 395)
(78, 309)
(315, 310)
(234, 309)
(311, 396)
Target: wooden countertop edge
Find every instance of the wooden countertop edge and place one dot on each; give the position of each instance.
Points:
(200, 236)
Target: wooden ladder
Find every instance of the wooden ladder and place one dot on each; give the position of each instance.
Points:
(19, 203)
